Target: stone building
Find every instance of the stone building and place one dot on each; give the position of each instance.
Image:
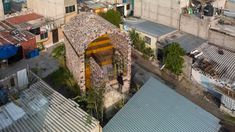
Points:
(96, 53)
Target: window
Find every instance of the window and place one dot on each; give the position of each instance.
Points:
(128, 7)
(35, 31)
(12, 82)
(69, 9)
(44, 35)
(147, 40)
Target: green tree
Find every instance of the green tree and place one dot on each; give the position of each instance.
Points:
(95, 103)
(134, 37)
(173, 59)
(112, 16)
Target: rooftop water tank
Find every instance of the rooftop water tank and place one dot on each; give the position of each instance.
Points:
(208, 10)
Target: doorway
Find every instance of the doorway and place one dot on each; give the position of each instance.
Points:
(55, 36)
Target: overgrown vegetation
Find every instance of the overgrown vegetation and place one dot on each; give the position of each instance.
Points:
(173, 59)
(62, 80)
(59, 54)
(91, 102)
(139, 44)
(112, 16)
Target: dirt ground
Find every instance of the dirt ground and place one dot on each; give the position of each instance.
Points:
(144, 69)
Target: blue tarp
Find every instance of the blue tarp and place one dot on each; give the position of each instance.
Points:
(7, 51)
(33, 53)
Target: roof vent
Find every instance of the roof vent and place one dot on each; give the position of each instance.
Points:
(220, 51)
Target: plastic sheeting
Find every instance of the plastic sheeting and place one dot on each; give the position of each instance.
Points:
(7, 51)
(22, 78)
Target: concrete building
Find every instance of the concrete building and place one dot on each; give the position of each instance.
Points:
(156, 107)
(22, 39)
(93, 6)
(214, 69)
(222, 33)
(47, 34)
(124, 8)
(185, 15)
(58, 10)
(98, 55)
(230, 5)
(29, 104)
(151, 32)
(166, 12)
(1, 11)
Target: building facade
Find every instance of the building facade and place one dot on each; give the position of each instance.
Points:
(58, 10)
(46, 33)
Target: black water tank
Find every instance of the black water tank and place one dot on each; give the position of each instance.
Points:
(208, 10)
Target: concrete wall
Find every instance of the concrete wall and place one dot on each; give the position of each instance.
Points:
(230, 5)
(153, 44)
(187, 70)
(195, 26)
(222, 40)
(165, 12)
(1, 11)
(219, 3)
(53, 9)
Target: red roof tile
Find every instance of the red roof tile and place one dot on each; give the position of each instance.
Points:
(24, 18)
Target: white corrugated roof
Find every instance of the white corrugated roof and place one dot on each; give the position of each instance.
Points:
(51, 112)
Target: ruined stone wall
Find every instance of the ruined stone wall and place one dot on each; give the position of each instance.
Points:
(187, 67)
(74, 63)
(81, 31)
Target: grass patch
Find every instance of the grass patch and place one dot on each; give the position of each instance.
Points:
(62, 80)
(62, 77)
(229, 119)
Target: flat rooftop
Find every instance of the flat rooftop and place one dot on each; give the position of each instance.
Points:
(24, 18)
(187, 41)
(156, 107)
(148, 27)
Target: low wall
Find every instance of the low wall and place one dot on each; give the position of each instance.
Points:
(222, 40)
(195, 26)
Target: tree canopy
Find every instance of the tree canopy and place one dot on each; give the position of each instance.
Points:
(139, 44)
(112, 16)
(173, 59)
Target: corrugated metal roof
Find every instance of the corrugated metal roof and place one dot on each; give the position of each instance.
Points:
(187, 41)
(148, 27)
(158, 108)
(24, 18)
(224, 64)
(47, 110)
